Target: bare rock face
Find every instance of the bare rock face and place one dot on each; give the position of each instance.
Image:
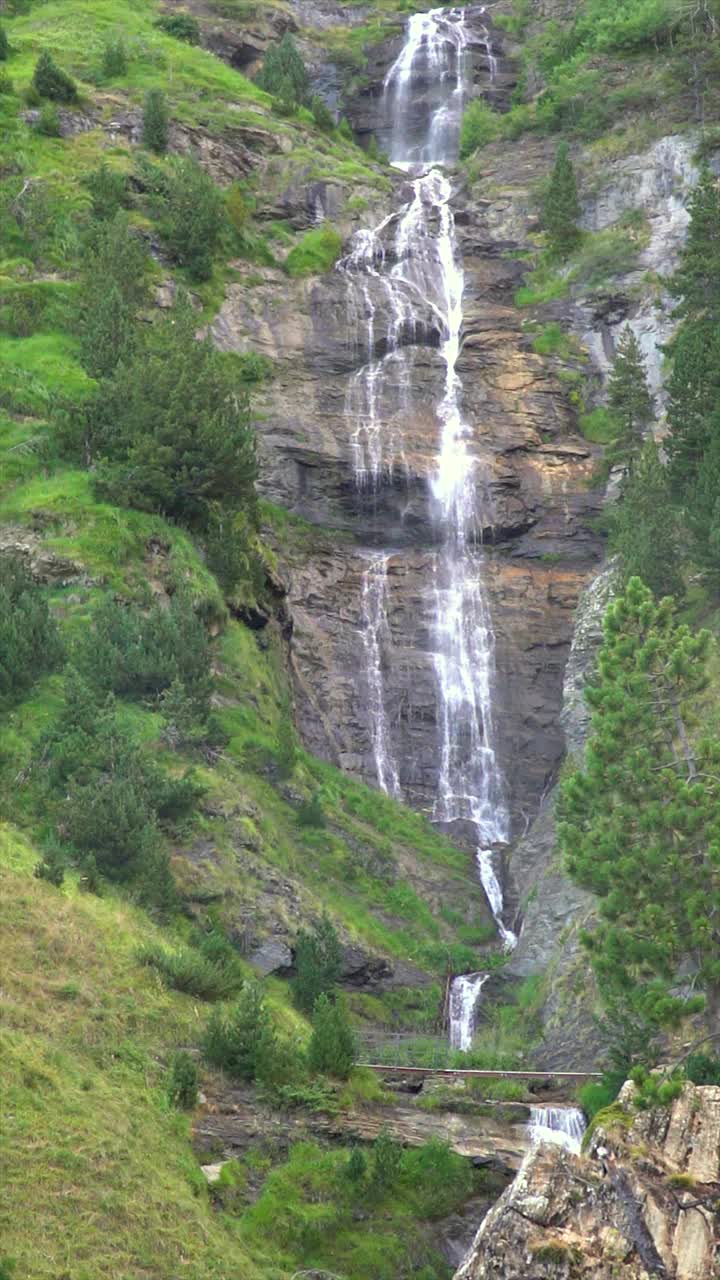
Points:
(640, 1204)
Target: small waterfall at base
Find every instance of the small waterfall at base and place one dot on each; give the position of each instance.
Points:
(405, 283)
(563, 1126)
(464, 997)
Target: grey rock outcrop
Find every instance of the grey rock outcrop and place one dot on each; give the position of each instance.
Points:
(642, 1203)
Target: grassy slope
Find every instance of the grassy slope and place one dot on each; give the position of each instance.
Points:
(98, 1176)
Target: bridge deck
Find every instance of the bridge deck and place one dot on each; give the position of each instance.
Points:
(477, 1074)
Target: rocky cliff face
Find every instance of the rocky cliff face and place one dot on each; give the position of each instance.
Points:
(539, 546)
(640, 1203)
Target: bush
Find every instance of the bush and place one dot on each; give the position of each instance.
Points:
(283, 73)
(332, 1046)
(322, 115)
(51, 868)
(318, 251)
(49, 81)
(703, 1068)
(310, 813)
(108, 189)
(242, 1041)
(48, 122)
(480, 125)
(155, 122)
(6, 84)
(192, 217)
(318, 963)
(356, 1167)
(115, 58)
(180, 25)
(597, 1096)
(191, 971)
(438, 1178)
(4, 44)
(386, 1162)
(183, 1083)
(171, 429)
(138, 655)
(29, 640)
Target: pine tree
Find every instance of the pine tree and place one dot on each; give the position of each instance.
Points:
(243, 1041)
(387, 1159)
(561, 206)
(696, 283)
(318, 962)
(284, 73)
(29, 640)
(356, 1167)
(644, 527)
(4, 45)
(629, 395)
(332, 1044)
(155, 122)
(640, 819)
(693, 393)
(51, 81)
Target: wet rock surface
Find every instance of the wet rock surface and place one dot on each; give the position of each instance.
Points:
(640, 1204)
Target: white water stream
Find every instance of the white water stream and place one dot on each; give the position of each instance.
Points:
(562, 1126)
(394, 306)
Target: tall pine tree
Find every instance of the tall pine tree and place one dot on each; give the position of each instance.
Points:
(561, 207)
(629, 397)
(644, 527)
(640, 819)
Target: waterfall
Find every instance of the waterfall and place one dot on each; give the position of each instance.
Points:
(405, 278)
(374, 617)
(563, 1126)
(464, 997)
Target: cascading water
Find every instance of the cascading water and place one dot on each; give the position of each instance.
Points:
(424, 287)
(562, 1126)
(464, 997)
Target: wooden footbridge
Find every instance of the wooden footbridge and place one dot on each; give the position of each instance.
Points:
(403, 1054)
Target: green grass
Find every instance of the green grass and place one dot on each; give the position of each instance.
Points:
(90, 1141)
(599, 426)
(318, 251)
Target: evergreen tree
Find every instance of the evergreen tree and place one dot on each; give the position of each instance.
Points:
(561, 207)
(4, 44)
(332, 1044)
(640, 820)
(29, 640)
(696, 282)
(318, 963)
(183, 1085)
(356, 1167)
(629, 395)
(192, 217)
(284, 74)
(112, 289)
(155, 122)
(243, 1041)
(50, 81)
(172, 428)
(693, 394)
(644, 527)
(387, 1160)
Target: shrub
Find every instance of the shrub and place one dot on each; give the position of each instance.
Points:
(386, 1162)
(284, 74)
(183, 1083)
(703, 1068)
(29, 640)
(48, 122)
(192, 217)
(480, 125)
(115, 58)
(189, 970)
(108, 189)
(138, 655)
(439, 1179)
(50, 81)
(318, 251)
(172, 429)
(356, 1167)
(310, 813)
(332, 1046)
(180, 25)
(322, 115)
(242, 1041)
(4, 44)
(155, 122)
(318, 963)
(51, 868)
(596, 1096)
